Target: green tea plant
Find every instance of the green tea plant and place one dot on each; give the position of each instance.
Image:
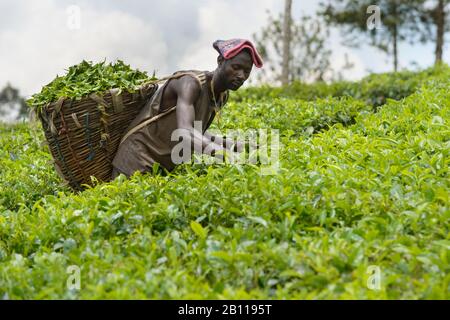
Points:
(355, 190)
(87, 77)
(374, 90)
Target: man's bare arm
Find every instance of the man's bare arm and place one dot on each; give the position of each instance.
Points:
(225, 142)
(188, 90)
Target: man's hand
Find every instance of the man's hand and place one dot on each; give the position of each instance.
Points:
(232, 145)
(229, 144)
(239, 146)
(188, 90)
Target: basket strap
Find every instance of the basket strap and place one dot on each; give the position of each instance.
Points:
(116, 100)
(146, 122)
(99, 100)
(200, 78)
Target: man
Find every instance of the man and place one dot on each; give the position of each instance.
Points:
(187, 96)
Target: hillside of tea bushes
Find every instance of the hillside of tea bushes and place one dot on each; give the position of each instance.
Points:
(363, 183)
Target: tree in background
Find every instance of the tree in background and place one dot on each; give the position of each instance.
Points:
(440, 18)
(435, 15)
(347, 66)
(287, 36)
(400, 21)
(11, 100)
(309, 58)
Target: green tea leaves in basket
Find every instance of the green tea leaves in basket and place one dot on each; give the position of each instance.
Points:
(86, 77)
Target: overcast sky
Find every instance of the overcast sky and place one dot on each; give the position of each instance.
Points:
(38, 39)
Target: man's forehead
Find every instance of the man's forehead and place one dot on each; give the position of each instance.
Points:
(243, 57)
(231, 48)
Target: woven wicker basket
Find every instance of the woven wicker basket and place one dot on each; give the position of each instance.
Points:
(83, 135)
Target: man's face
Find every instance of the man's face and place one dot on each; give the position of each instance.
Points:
(236, 70)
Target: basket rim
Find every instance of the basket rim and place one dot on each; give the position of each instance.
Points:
(101, 93)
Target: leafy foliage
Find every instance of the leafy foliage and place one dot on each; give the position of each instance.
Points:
(11, 99)
(401, 21)
(309, 56)
(374, 90)
(348, 195)
(85, 78)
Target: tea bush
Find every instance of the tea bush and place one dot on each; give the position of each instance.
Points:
(356, 189)
(374, 89)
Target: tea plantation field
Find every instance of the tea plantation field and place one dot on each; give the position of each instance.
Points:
(362, 191)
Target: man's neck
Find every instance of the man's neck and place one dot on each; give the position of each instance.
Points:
(218, 87)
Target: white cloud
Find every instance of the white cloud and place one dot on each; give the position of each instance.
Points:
(43, 45)
(36, 44)
(338, 58)
(223, 20)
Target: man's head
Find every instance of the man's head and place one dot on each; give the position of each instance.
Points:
(235, 62)
(235, 71)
